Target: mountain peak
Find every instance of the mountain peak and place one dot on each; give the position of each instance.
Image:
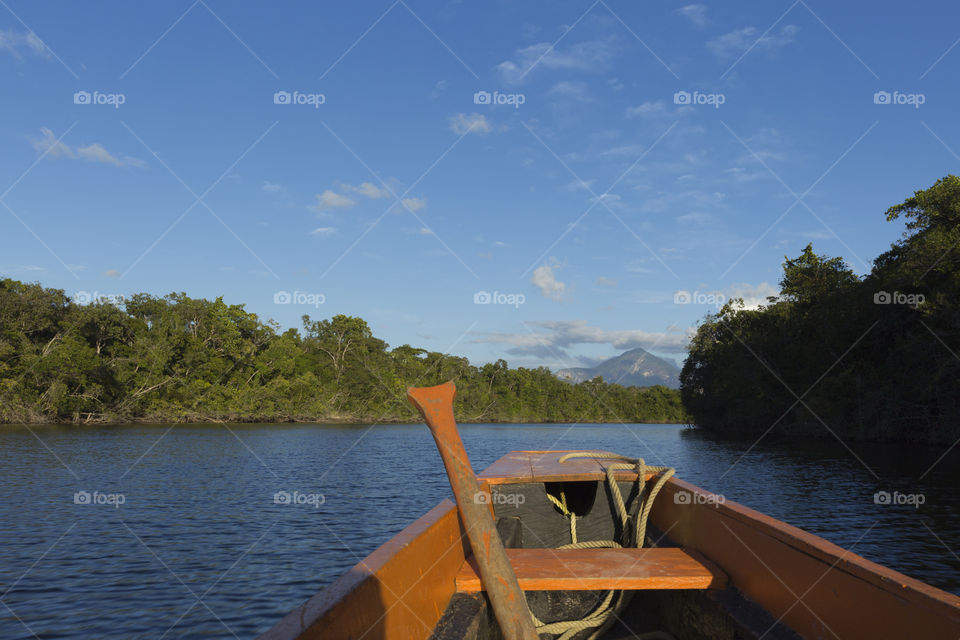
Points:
(634, 368)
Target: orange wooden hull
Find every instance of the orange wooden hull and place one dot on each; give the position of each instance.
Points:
(398, 591)
(815, 588)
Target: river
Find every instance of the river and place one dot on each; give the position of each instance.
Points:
(148, 531)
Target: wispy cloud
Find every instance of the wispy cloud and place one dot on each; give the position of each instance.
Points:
(463, 123)
(653, 109)
(17, 44)
(367, 189)
(414, 204)
(332, 200)
(557, 336)
(21, 268)
(95, 152)
(323, 232)
(695, 13)
(590, 55)
(573, 90)
(740, 40)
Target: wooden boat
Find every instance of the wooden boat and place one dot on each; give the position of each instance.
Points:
(708, 568)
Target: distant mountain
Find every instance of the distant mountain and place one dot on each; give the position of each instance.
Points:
(634, 368)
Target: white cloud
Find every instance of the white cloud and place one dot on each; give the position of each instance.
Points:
(608, 200)
(545, 279)
(573, 90)
(368, 189)
(579, 185)
(323, 232)
(695, 13)
(740, 40)
(17, 268)
(14, 43)
(48, 144)
(753, 295)
(95, 152)
(463, 123)
(330, 200)
(561, 334)
(414, 204)
(271, 187)
(740, 174)
(605, 282)
(112, 273)
(591, 55)
(633, 150)
(650, 109)
(696, 218)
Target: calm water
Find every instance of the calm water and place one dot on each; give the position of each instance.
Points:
(200, 549)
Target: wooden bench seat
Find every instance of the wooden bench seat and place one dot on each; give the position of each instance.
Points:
(596, 569)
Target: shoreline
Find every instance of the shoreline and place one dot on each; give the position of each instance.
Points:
(260, 420)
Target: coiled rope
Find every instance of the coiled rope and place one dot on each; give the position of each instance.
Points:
(603, 617)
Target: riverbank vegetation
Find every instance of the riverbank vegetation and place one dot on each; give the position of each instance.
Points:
(837, 355)
(176, 358)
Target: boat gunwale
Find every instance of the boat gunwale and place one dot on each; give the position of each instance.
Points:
(821, 549)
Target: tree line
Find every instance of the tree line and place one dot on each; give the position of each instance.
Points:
(836, 355)
(176, 358)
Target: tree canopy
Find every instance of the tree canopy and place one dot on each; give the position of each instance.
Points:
(176, 358)
(835, 355)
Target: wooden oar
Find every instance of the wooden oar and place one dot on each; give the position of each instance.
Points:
(509, 604)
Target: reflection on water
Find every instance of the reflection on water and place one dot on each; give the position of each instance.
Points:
(222, 531)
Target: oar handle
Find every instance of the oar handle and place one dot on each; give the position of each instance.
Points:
(509, 604)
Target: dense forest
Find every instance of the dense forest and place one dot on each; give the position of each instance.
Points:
(176, 358)
(836, 355)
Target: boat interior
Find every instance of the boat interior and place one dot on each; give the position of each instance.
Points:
(706, 568)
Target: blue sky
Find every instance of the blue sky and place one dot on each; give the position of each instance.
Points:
(586, 164)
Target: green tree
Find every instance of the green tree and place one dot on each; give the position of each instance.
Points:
(810, 277)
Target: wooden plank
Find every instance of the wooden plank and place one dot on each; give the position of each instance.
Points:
(815, 587)
(545, 466)
(596, 569)
(398, 592)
